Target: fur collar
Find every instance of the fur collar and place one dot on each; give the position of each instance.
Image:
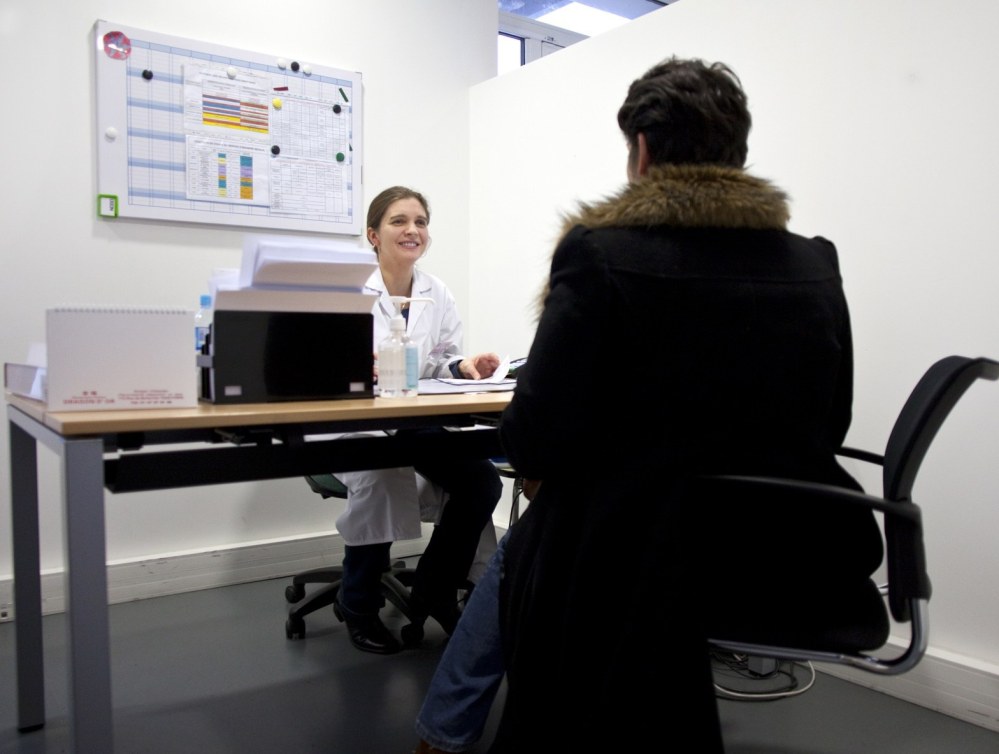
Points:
(686, 196)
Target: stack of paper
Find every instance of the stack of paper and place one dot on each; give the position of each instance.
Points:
(290, 274)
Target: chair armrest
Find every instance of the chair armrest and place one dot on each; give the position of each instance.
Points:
(861, 455)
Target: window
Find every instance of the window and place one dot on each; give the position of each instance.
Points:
(523, 37)
(522, 40)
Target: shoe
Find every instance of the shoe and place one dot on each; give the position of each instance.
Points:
(367, 632)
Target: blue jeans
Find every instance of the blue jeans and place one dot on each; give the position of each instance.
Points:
(461, 693)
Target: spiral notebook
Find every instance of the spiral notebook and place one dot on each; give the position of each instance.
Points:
(114, 358)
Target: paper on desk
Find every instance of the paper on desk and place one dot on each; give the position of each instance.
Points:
(497, 382)
(444, 387)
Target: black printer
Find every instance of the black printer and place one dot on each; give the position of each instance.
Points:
(260, 356)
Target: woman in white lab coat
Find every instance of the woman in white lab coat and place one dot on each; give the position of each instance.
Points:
(384, 505)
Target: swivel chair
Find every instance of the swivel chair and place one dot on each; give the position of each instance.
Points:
(848, 625)
(395, 582)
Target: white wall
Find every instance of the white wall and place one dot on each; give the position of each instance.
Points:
(879, 120)
(417, 59)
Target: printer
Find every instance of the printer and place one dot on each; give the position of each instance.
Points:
(262, 356)
(296, 326)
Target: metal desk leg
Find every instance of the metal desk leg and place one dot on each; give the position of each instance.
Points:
(27, 579)
(82, 465)
(87, 595)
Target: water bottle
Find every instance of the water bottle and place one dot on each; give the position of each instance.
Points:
(202, 323)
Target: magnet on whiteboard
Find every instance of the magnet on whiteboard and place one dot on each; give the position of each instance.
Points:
(111, 133)
(307, 69)
(277, 103)
(231, 72)
(107, 205)
(282, 63)
(294, 66)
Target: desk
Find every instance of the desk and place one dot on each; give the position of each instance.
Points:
(121, 451)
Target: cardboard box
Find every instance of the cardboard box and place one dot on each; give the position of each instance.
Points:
(101, 359)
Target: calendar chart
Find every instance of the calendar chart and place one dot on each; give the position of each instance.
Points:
(193, 132)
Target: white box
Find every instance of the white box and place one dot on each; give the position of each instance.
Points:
(101, 359)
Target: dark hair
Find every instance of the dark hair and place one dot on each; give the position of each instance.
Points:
(690, 112)
(380, 204)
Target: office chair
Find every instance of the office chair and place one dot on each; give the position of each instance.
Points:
(395, 582)
(849, 624)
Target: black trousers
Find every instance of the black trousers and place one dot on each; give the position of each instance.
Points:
(474, 489)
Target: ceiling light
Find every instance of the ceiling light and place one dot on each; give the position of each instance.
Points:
(582, 19)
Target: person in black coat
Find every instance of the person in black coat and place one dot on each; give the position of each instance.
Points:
(684, 330)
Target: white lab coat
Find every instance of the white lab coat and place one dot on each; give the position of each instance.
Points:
(388, 505)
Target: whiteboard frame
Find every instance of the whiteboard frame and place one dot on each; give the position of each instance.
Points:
(116, 138)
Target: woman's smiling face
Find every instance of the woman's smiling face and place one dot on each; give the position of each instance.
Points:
(403, 234)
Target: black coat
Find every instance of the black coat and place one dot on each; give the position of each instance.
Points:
(684, 331)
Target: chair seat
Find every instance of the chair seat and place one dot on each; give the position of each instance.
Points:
(842, 619)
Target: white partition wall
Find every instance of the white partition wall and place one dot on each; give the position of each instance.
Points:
(878, 119)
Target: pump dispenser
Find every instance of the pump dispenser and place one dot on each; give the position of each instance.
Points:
(398, 358)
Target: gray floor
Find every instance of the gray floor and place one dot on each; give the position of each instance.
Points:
(212, 671)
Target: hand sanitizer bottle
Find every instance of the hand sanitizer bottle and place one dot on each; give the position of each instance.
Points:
(398, 358)
(202, 323)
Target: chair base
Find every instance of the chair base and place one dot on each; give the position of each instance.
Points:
(395, 586)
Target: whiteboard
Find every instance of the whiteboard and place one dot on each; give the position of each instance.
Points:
(194, 132)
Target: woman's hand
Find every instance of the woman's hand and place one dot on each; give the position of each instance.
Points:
(479, 367)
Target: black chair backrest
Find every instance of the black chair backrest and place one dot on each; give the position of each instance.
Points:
(924, 412)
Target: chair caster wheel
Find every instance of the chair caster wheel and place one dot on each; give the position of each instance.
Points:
(412, 634)
(294, 627)
(294, 592)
